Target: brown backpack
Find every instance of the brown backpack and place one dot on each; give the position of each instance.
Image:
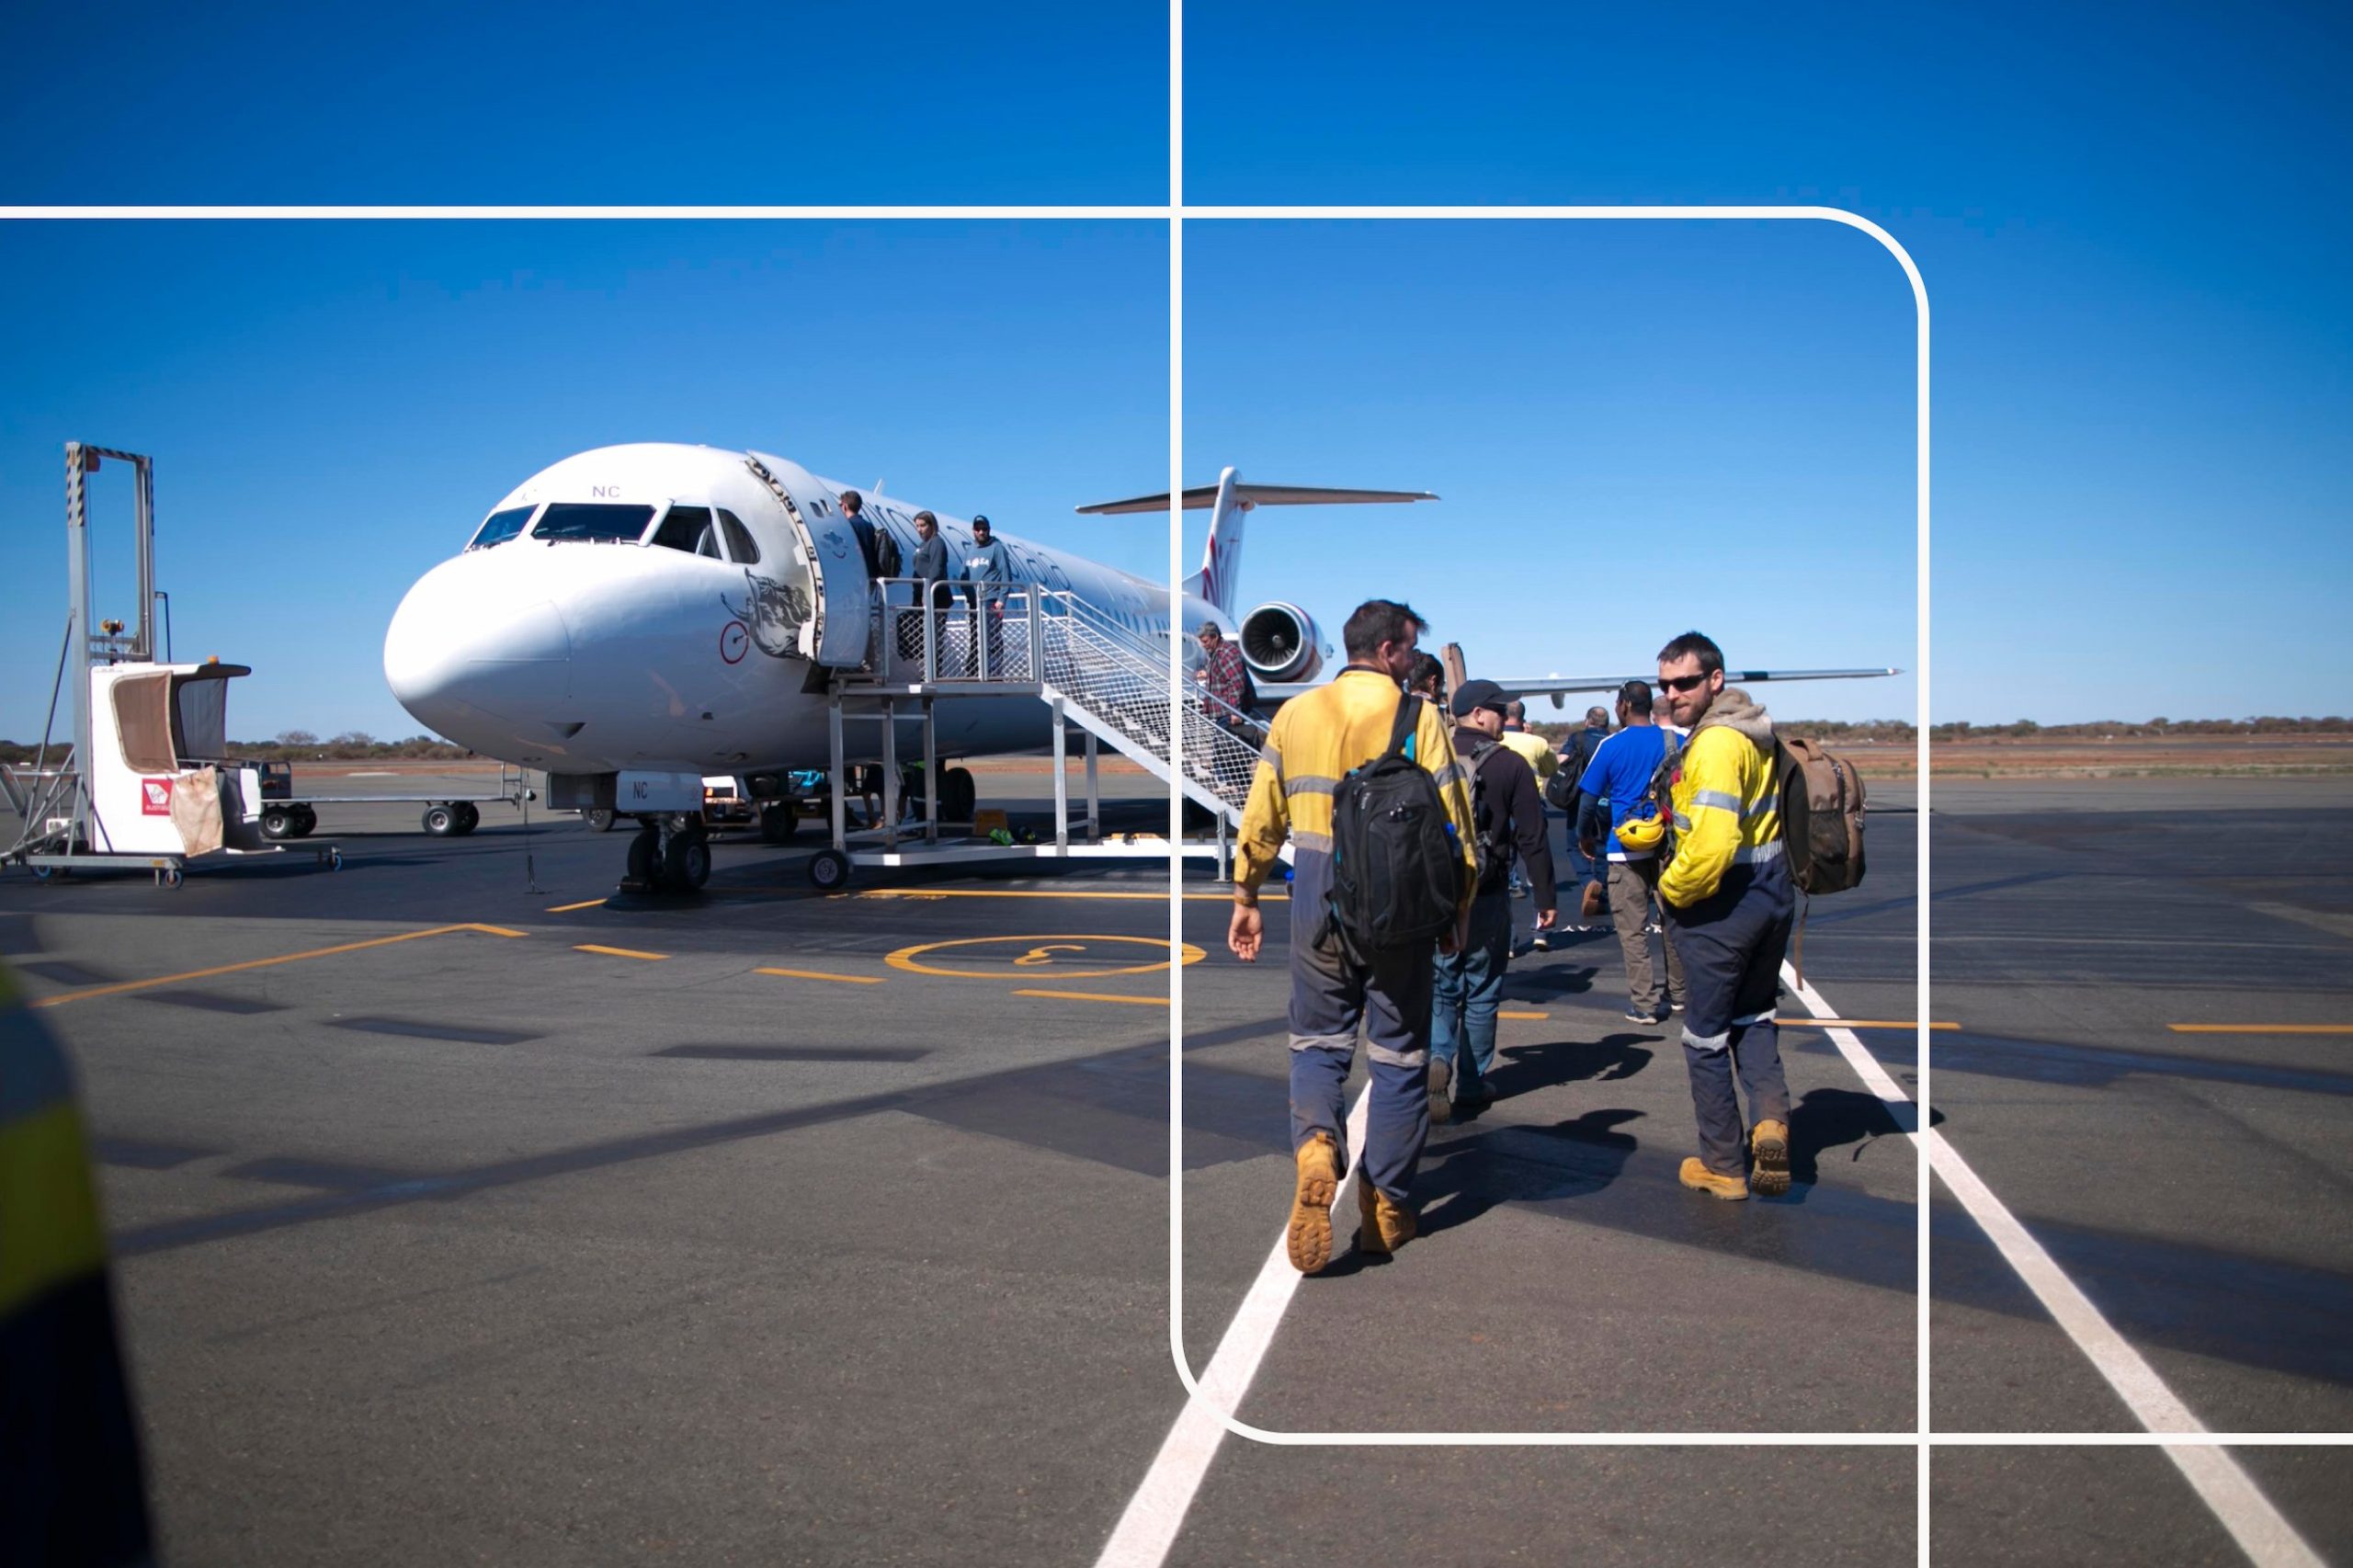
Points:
(1821, 804)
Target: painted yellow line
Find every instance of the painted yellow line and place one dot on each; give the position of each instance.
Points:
(1040, 956)
(117, 989)
(2261, 1028)
(1508, 1013)
(820, 974)
(1099, 997)
(1036, 893)
(568, 908)
(618, 952)
(1858, 1024)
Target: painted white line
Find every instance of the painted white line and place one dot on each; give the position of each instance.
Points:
(1148, 1529)
(2268, 1539)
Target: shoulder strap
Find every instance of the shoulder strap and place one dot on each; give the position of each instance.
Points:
(1402, 727)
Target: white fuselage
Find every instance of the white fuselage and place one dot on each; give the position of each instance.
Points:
(661, 638)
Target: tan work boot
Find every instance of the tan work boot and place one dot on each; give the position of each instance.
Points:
(1699, 1178)
(1308, 1235)
(1768, 1146)
(1382, 1224)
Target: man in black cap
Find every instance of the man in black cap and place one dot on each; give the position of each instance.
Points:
(988, 566)
(1508, 817)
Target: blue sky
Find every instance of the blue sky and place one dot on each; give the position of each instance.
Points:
(2133, 235)
(332, 406)
(595, 101)
(1634, 428)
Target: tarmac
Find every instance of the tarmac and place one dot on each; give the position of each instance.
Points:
(464, 1211)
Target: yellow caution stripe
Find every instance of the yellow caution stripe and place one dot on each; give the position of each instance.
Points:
(49, 1210)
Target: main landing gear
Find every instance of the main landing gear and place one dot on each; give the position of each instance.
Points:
(670, 854)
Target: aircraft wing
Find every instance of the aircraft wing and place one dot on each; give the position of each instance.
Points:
(1557, 686)
(1273, 694)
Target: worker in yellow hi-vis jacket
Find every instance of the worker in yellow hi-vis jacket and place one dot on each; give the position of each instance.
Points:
(1728, 902)
(70, 1484)
(1316, 740)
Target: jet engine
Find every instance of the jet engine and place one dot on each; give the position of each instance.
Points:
(1280, 642)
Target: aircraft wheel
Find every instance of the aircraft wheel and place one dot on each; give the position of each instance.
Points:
(779, 823)
(306, 822)
(278, 823)
(600, 819)
(468, 817)
(686, 863)
(173, 876)
(958, 795)
(829, 871)
(441, 822)
(643, 851)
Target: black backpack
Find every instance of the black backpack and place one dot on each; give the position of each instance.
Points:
(1248, 700)
(1396, 869)
(887, 562)
(1495, 845)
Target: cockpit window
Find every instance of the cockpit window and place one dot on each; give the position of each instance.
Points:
(688, 528)
(500, 527)
(572, 521)
(740, 543)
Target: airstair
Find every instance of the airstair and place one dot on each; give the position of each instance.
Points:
(1093, 670)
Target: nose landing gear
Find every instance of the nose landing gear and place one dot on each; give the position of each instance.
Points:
(669, 855)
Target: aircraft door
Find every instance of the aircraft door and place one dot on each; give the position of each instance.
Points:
(841, 595)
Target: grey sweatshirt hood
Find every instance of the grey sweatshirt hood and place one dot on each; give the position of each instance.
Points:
(1734, 711)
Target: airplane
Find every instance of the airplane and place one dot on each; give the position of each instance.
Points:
(633, 619)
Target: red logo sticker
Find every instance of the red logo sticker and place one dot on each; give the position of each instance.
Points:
(155, 797)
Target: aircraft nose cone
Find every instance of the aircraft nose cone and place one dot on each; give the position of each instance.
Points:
(464, 648)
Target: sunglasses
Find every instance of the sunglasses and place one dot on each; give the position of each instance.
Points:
(1683, 682)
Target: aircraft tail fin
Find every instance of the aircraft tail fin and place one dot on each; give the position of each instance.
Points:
(1219, 578)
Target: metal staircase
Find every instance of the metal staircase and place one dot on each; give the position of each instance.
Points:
(1113, 682)
(1101, 674)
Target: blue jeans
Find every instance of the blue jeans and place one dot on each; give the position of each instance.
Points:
(1468, 985)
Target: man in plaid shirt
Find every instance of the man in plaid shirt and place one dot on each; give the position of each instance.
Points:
(1222, 670)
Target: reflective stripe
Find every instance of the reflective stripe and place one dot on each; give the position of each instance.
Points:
(1381, 1053)
(1756, 854)
(1272, 756)
(1682, 823)
(1753, 1018)
(1723, 800)
(1453, 772)
(1302, 838)
(1344, 1043)
(1308, 784)
(1707, 1043)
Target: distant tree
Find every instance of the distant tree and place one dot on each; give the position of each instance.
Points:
(2024, 727)
(356, 740)
(297, 738)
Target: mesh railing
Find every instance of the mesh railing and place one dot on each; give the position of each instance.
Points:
(1115, 675)
(1122, 677)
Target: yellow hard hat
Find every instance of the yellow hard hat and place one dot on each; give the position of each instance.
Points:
(1642, 833)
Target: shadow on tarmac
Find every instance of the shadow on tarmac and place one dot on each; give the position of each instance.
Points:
(1570, 1159)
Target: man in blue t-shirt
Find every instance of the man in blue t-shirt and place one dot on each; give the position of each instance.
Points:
(1622, 769)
